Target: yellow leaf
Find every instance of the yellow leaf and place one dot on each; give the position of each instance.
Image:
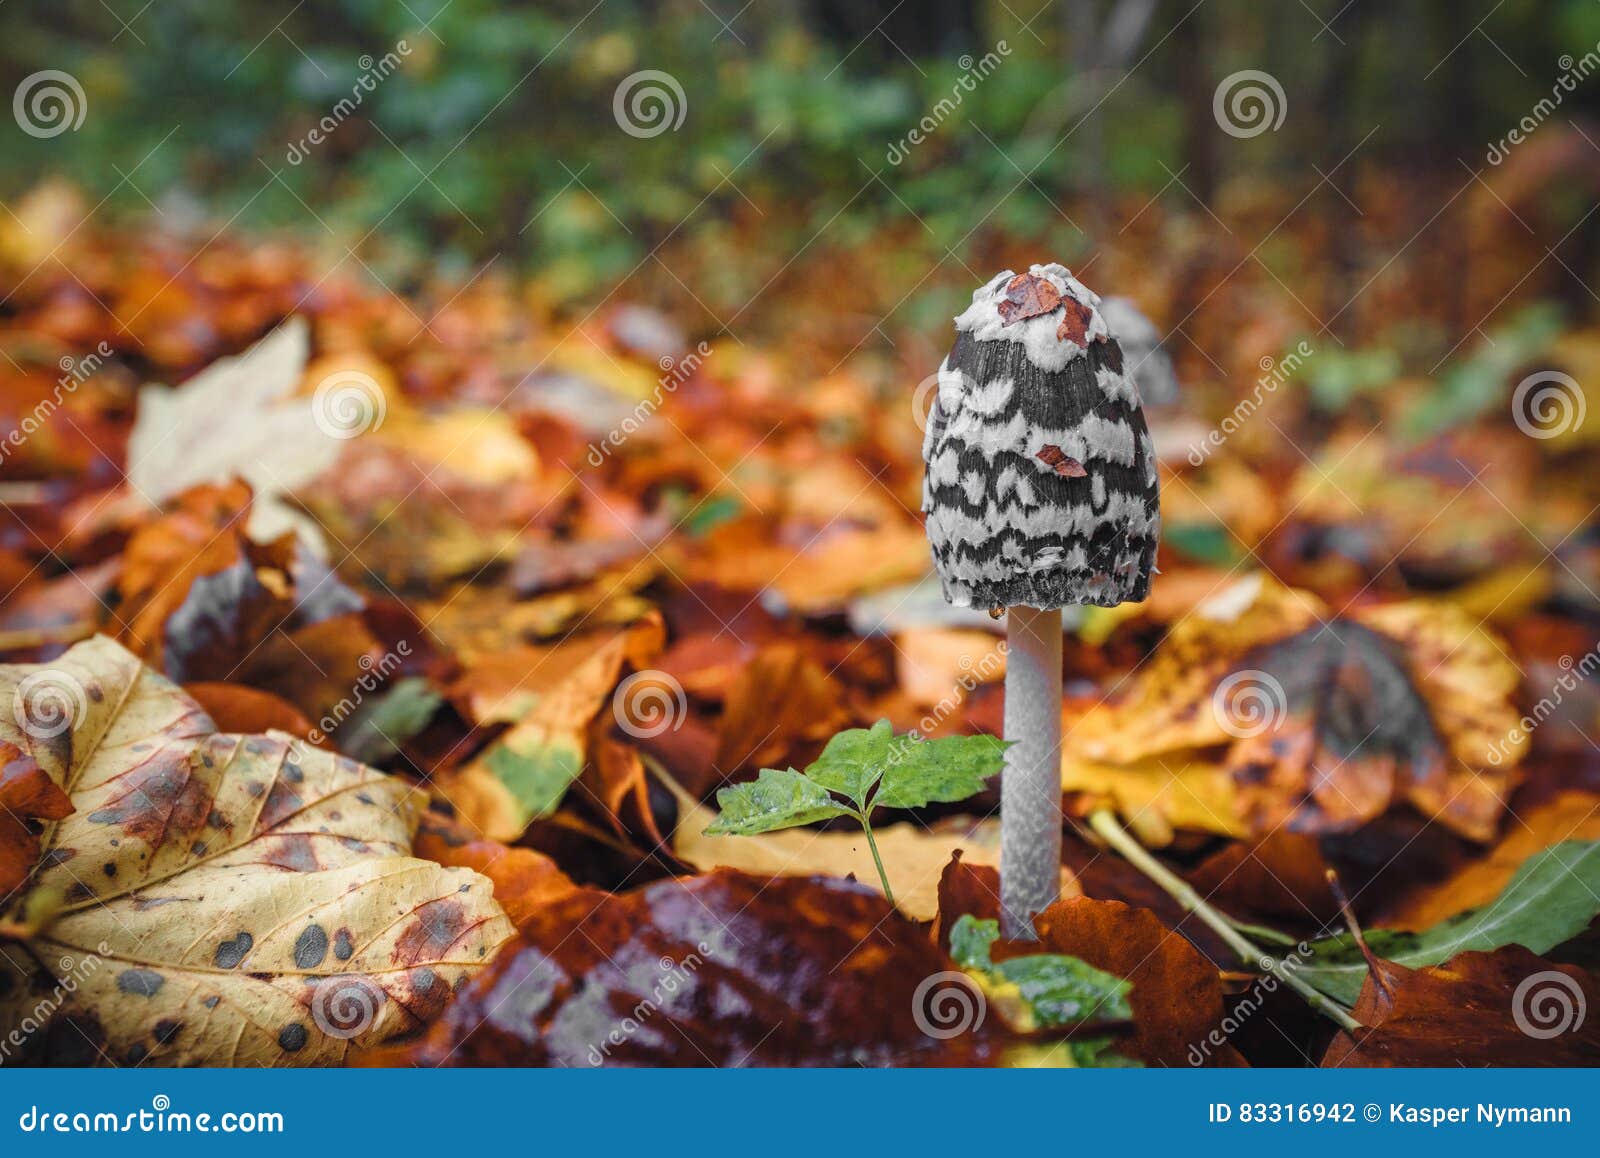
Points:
(224, 899)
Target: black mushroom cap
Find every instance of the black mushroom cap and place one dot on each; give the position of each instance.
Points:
(1041, 477)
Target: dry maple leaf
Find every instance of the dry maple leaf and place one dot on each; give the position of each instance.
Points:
(221, 899)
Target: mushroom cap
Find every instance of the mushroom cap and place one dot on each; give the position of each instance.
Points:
(1150, 365)
(1041, 477)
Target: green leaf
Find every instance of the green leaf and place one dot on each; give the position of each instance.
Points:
(970, 940)
(375, 730)
(854, 760)
(947, 770)
(906, 771)
(1060, 990)
(775, 799)
(1551, 899)
(1063, 990)
(537, 778)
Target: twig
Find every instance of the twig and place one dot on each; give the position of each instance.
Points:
(1105, 823)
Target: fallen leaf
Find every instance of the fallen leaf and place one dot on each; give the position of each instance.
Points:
(525, 773)
(1320, 723)
(237, 418)
(1506, 1008)
(26, 794)
(1570, 815)
(1551, 899)
(239, 708)
(224, 899)
(1177, 993)
(721, 970)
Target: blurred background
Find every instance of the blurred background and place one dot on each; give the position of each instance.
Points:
(474, 131)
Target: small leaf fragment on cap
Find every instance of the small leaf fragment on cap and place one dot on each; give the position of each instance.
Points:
(1028, 296)
(1075, 321)
(1062, 463)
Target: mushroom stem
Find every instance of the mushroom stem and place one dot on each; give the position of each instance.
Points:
(1030, 786)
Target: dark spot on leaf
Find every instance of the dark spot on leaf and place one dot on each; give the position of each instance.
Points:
(137, 1053)
(166, 1029)
(230, 953)
(343, 945)
(292, 773)
(363, 797)
(439, 925)
(294, 851)
(109, 868)
(292, 1037)
(211, 1002)
(57, 856)
(140, 982)
(311, 947)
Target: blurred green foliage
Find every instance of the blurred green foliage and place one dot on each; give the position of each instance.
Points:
(496, 133)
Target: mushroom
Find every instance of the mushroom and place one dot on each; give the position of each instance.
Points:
(1040, 492)
(1150, 365)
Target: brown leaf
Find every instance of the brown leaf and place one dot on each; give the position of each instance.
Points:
(1177, 994)
(1059, 461)
(1506, 1008)
(1570, 815)
(26, 793)
(1074, 325)
(525, 882)
(237, 708)
(1028, 296)
(966, 890)
(782, 700)
(725, 969)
